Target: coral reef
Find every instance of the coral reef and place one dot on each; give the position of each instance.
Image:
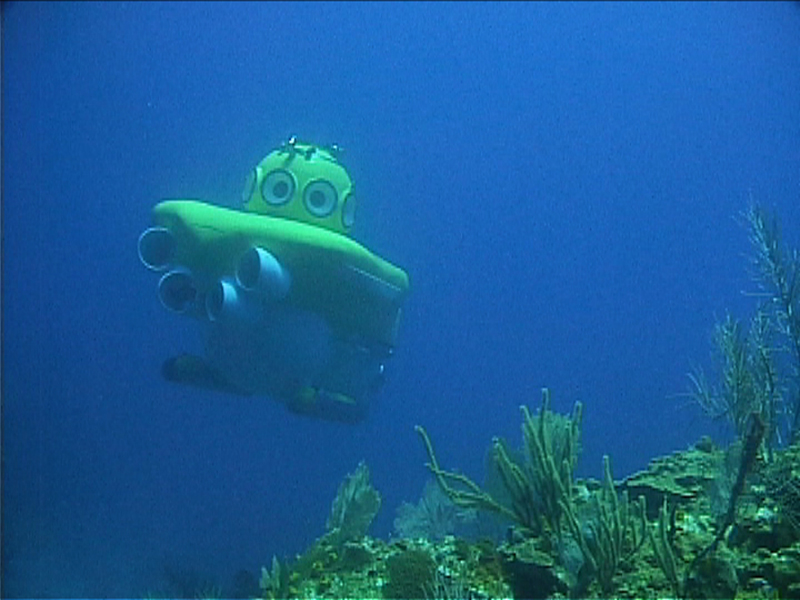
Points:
(633, 555)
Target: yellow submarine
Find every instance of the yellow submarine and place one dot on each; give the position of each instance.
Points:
(291, 306)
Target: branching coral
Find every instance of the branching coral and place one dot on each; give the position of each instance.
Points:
(661, 540)
(615, 533)
(738, 395)
(540, 487)
(777, 271)
(552, 445)
(760, 367)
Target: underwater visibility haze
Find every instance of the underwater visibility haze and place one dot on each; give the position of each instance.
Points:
(566, 186)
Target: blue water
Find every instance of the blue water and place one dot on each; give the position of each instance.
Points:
(561, 182)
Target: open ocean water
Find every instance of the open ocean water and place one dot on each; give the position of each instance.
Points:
(562, 183)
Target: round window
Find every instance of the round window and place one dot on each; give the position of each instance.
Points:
(349, 211)
(320, 198)
(249, 186)
(277, 187)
